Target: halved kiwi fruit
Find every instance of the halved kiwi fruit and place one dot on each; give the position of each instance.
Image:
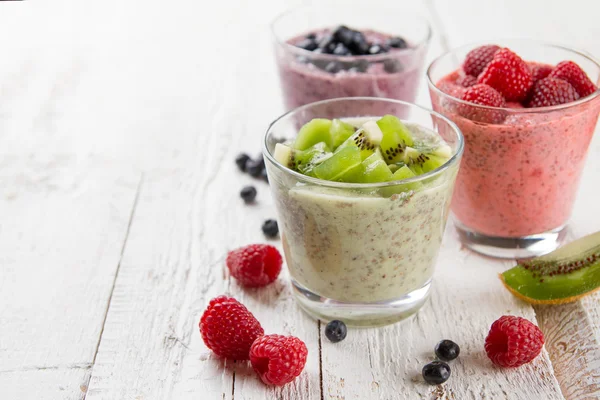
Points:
(302, 161)
(563, 276)
(313, 132)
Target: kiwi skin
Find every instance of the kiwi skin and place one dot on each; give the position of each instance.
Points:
(560, 277)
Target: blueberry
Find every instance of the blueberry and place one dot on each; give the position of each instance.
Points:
(359, 45)
(241, 161)
(263, 175)
(392, 65)
(436, 372)
(327, 44)
(341, 50)
(307, 44)
(270, 228)
(336, 331)
(311, 36)
(248, 193)
(397, 42)
(255, 167)
(376, 49)
(333, 67)
(447, 350)
(343, 35)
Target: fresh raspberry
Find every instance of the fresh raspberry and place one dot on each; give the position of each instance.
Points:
(229, 329)
(477, 59)
(466, 80)
(572, 73)
(254, 265)
(513, 341)
(551, 92)
(508, 74)
(486, 96)
(278, 359)
(539, 71)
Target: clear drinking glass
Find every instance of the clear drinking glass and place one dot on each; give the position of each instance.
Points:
(519, 178)
(355, 254)
(308, 77)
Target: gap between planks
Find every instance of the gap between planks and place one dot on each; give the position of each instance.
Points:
(112, 289)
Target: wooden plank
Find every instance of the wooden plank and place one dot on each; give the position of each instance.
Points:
(62, 227)
(187, 221)
(66, 383)
(573, 330)
(151, 347)
(397, 353)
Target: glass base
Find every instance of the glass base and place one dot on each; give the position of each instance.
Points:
(514, 248)
(361, 314)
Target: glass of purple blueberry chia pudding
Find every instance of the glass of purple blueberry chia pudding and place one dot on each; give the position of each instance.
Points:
(330, 50)
(362, 202)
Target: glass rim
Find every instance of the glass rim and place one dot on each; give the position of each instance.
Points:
(300, 51)
(534, 110)
(346, 185)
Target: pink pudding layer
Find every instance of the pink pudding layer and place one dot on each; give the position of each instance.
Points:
(395, 75)
(519, 177)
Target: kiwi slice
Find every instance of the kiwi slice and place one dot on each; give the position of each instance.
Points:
(421, 163)
(338, 164)
(340, 132)
(302, 161)
(313, 132)
(367, 139)
(392, 125)
(563, 276)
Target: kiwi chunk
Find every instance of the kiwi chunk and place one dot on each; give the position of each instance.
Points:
(313, 132)
(367, 139)
(340, 132)
(401, 174)
(392, 125)
(563, 276)
(421, 163)
(443, 151)
(339, 163)
(302, 161)
(375, 169)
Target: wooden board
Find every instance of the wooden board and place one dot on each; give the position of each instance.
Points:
(176, 92)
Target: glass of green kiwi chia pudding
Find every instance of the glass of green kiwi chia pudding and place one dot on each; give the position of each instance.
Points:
(362, 198)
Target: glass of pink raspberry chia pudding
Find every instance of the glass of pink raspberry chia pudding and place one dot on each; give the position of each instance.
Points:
(528, 113)
(331, 50)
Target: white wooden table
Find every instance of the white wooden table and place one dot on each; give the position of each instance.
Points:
(119, 122)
